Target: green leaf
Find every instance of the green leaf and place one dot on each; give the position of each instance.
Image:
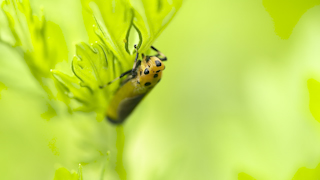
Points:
(93, 68)
(151, 18)
(287, 13)
(90, 99)
(113, 20)
(40, 42)
(244, 176)
(12, 25)
(64, 174)
(50, 113)
(53, 147)
(314, 94)
(91, 65)
(307, 174)
(71, 87)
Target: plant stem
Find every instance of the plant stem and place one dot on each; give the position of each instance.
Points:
(120, 145)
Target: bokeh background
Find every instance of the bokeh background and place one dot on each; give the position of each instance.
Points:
(233, 102)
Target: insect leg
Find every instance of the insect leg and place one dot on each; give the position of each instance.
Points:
(160, 54)
(123, 74)
(132, 71)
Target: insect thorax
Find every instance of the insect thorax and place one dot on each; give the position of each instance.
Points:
(149, 74)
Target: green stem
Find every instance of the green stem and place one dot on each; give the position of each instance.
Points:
(120, 145)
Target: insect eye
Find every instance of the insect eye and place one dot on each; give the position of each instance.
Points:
(158, 63)
(146, 71)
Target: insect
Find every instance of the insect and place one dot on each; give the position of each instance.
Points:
(141, 79)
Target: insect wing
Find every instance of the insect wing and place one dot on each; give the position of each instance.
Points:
(126, 107)
(123, 103)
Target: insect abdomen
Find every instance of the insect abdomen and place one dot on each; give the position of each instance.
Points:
(125, 108)
(124, 102)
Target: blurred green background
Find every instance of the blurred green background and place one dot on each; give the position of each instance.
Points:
(233, 99)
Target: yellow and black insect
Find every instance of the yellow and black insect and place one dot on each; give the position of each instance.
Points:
(141, 79)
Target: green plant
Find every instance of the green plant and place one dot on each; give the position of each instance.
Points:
(64, 174)
(40, 43)
(112, 30)
(113, 27)
(116, 28)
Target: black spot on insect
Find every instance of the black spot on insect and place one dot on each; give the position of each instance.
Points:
(156, 75)
(147, 84)
(146, 71)
(158, 63)
(140, 73)
(158, 71)
(159, 80)
(138, 82)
